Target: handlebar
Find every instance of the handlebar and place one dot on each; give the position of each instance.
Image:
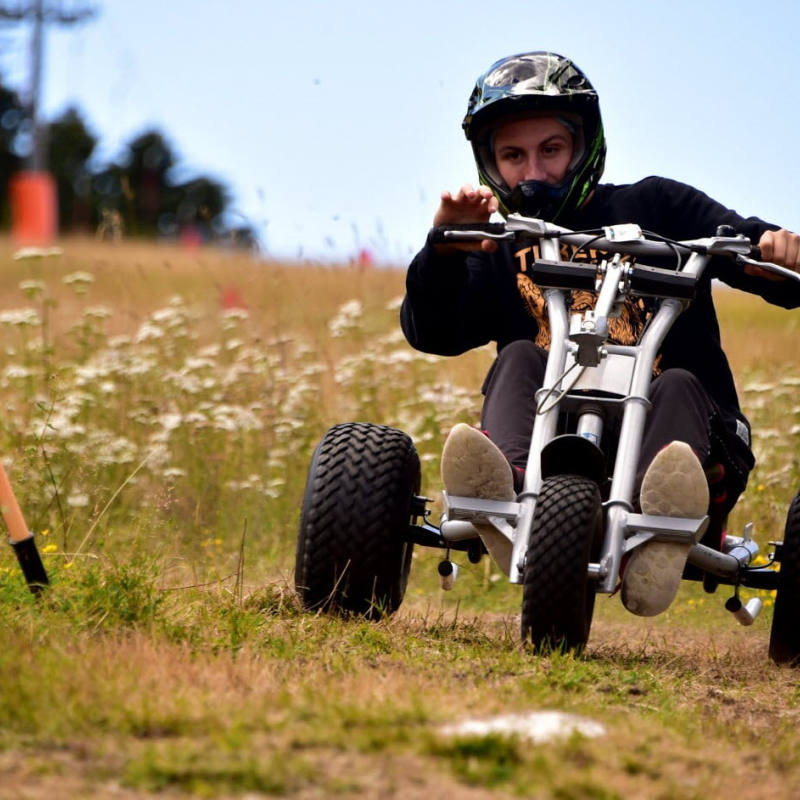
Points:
(623, 239)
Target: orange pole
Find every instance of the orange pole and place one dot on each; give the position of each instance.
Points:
(34, 208)
(21, 538)
(12, 515)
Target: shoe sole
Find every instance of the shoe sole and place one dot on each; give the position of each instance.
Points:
(673, 486)
(473, 466)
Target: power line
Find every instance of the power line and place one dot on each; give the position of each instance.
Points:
(40, 14)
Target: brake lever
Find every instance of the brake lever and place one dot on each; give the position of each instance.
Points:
(475, 235)
(768, 267)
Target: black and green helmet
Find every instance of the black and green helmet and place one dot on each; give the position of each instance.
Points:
(529, 84)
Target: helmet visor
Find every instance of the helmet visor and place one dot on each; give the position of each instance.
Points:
(536, 72)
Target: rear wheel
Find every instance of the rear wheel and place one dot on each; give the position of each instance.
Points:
(558, 596)
(784, 640)
(352, 554)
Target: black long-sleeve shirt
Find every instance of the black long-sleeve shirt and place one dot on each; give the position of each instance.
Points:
(460, 301)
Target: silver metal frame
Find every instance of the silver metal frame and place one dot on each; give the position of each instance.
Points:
(581, 342)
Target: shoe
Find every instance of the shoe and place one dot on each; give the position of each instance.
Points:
(473, 466)
(673, 486)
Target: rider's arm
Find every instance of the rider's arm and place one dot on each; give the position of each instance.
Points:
(696, 215)
(448, 305)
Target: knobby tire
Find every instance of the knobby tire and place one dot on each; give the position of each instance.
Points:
(558, 596)
(352, 556)
(784, 640)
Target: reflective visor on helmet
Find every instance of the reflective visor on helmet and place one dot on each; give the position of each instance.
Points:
(533, 71)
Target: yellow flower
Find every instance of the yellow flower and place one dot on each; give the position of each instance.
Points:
(50, 548)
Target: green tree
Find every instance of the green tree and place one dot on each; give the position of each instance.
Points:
(146, 168)
(12, 129)
(197, 203)
(70, 146)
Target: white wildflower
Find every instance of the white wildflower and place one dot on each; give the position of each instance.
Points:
(16, 372)
(170, 420)
(112, 449)
(194, 363)
(149, 331)
(78, 500)
(120, 341)
(209, 351)
(98, 312)
(21, 317)
(233, 418)
(141, 366)
(171, 317)
(348, 317)
(37, 252)
(78, 278)
(234, 314)
(32, 288)
(759, 387)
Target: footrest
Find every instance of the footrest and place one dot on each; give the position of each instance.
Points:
(645, 527)
(475, 510)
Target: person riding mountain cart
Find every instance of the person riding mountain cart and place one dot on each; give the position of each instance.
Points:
(612, 445)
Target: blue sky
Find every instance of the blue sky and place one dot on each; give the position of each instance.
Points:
(337, 124)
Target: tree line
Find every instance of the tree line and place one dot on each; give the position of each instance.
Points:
(136, 194)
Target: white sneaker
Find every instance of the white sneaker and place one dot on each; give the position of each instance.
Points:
(473, 466)
(673, 486)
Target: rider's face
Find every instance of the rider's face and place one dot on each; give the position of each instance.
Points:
(533, 149)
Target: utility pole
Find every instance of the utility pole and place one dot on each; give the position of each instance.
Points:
(42, 15)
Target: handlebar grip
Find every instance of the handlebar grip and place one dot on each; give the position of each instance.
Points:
(438, 233)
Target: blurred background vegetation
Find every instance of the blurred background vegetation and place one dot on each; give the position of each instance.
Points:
(142, 193)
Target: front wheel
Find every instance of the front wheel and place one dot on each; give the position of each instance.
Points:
(784, 640)
(352, 554)
(558, 596)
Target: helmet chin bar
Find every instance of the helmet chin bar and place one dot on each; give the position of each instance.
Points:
(539, 199)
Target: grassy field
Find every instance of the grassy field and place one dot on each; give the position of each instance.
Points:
(161, 408)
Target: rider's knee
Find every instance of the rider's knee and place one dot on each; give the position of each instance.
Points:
(522, 351)
(675, 383)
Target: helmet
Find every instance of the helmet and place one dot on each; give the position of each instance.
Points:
(526, 85)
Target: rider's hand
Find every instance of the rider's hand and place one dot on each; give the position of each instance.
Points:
(465, 206)
(780, 247)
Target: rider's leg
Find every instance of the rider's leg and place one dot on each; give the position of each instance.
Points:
(472, 466)
(479, 464)
(683, 438)
(681, 411)
(509, 407)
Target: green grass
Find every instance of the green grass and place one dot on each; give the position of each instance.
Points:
(159, 449)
